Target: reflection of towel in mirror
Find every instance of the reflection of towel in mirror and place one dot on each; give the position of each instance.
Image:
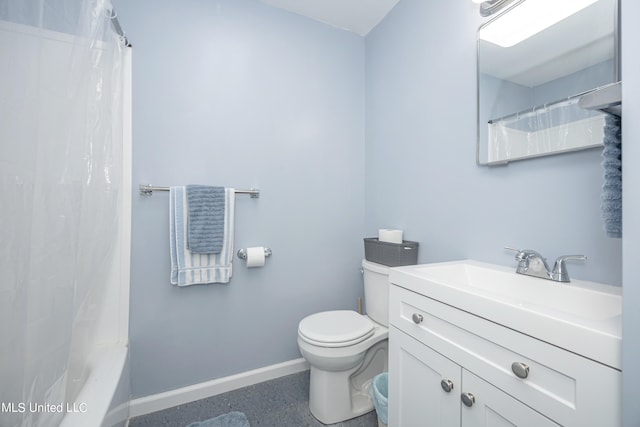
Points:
(611, 198)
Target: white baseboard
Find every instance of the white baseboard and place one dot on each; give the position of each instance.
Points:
(168, 399)
(118, 416)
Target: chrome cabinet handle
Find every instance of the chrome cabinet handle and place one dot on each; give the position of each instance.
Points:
(417, 318)
(447, 385)
(468, 399)
(520, 369)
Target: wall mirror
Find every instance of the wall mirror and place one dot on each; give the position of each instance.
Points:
(531, 78)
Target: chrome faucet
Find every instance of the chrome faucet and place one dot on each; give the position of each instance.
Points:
(531, 263)
(560, 273)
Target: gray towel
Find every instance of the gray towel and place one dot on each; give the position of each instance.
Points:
(611, 197)
(205, 218)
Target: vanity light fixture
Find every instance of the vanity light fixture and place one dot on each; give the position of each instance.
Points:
(489, 7)
(529, 18)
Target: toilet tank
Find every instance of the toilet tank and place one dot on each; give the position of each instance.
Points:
(376, 291)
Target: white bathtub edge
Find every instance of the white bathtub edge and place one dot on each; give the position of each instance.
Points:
(157, 402)
(94, 399)
(117, 416)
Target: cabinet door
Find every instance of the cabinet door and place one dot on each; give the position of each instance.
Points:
(416, 396)
(491, 407)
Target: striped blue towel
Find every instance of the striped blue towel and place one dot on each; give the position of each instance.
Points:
(188, 268)
(205, 226)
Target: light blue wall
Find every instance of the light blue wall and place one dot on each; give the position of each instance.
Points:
(421, 174)
(631, 211)
(235, 93)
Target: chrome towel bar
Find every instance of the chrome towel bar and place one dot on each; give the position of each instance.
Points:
(147, 190)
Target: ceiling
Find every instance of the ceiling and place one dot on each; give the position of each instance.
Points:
(358, 16)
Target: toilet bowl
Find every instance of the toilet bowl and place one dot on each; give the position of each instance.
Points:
(345, 350)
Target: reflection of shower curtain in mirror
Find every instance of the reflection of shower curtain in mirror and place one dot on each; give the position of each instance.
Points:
(560, 127)
(59, 191)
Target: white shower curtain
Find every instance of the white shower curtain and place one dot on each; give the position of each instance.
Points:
(60, 187)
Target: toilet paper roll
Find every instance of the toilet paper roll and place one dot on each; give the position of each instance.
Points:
(390, 235)
(255, 257)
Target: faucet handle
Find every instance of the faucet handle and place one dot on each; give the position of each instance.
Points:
(519, 253)
(525, 254)
(560, 272)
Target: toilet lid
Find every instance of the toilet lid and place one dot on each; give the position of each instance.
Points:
(339, 328)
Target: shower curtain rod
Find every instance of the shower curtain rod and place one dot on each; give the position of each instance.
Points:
(147, 190)
(117, 28)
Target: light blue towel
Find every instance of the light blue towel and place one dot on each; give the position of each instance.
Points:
(611, 197)
(205, 227)
(188, 268)
(231, 419)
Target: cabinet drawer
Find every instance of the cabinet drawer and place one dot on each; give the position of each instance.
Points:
(570, 389)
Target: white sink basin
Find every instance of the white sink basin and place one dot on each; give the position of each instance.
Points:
(583, 317)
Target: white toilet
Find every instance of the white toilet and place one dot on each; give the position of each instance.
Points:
(346, 350)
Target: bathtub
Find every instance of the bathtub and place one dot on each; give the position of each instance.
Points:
(103, 400)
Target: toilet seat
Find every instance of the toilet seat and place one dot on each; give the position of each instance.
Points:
(339, 328)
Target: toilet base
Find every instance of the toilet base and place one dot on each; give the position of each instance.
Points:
(331, 399)
(340, 396)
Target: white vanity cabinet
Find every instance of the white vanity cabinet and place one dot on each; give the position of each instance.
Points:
(415, 392)
(449, 367)
(427, 390)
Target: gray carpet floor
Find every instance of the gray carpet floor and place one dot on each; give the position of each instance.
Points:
(283, 402)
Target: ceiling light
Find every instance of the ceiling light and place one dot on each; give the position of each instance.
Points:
(478, 1)
(529, 18)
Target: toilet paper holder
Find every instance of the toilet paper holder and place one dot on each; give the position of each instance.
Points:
(242, 253)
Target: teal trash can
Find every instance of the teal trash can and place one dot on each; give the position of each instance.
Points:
(379, 393)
